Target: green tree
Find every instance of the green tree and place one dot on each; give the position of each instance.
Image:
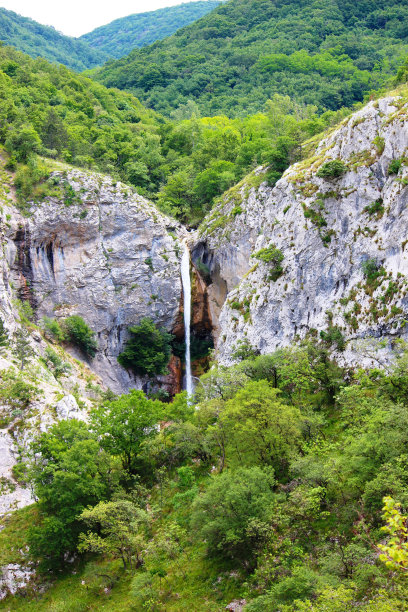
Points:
(125, 424)
(54, 134)
(22, 142)
(148, 350)
(233, 510)
(395, 552)
(259, 428)
(69, 473)
(22, 347)
(118, 528)
(79, 333)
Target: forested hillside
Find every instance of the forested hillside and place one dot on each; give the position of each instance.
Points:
(183, 164)
(268, 492)
(119, 37)
(326, 53)
(43, 41)
(280, 483)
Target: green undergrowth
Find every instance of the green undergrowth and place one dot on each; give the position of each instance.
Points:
(100, 583)
(13, 534)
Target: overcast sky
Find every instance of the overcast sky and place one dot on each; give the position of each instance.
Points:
(76, 17)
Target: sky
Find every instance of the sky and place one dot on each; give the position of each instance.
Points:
(76, 17)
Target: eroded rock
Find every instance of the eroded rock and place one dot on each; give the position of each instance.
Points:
(326, 228)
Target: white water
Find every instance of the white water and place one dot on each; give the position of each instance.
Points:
(185, 279)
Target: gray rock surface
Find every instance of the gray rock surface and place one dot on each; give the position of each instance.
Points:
(93, 248)
(108, 256)
(13, 578)
(323, 284)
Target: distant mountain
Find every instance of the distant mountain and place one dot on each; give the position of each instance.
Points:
(44, 41)
(330, 53)
(119, 37)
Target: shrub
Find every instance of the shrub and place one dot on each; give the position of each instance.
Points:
(80, 334)
(148, 350)
(234, 505)
(53, 329)
(376, 208)
(332, 169)
(273, 256)
(58, 366)
(244, 350)
(371, 270)
(14, 391)
(334, 336)
(25, 311)
(395, 166)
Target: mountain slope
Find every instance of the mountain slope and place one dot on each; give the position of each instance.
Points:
(43, 41)
(288, 452)
(50, 110)
(324, 251)
(119, 37)
(232, 60)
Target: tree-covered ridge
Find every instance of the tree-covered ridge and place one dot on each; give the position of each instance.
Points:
(48, 109)
(327, 53)
(44, 41)
(183, 164)
(119, 37)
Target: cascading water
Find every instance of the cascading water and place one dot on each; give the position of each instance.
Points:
(185, 279)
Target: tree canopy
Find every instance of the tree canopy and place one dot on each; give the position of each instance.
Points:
(232, 60)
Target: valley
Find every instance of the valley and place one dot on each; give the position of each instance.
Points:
(203, 317)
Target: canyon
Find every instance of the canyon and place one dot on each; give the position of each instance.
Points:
(101, 251)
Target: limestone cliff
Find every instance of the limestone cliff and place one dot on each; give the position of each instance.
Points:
(95, 248)
(326, 229)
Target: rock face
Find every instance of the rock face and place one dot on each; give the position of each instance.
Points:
(331, 231)
(98, 250)
(93, 248)
(14, 578)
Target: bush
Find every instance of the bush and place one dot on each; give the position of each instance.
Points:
(371, 270)
(53, 329)
(58, 366)
(148, 350)
(332, 169)
(271, 255)
(376, 208)
(14, 391)
(301, 584)
(234, 505)
(395, 166)
(80, 334)
(334, 336)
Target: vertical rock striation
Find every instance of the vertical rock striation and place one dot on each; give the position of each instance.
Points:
(105, 254)
(327, 229)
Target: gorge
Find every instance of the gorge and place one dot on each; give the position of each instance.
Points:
(270, 265)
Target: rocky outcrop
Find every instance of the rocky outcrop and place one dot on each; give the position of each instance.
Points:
(97, 249)
(326, 228)
(14, 578)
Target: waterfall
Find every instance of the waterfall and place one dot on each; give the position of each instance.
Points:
(185, 278)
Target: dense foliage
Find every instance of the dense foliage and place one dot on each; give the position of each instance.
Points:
(327, 53)
(183, 164)
(148, 349)
(279, 479)
(79, 333)
(119, 37)
(44, 41)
